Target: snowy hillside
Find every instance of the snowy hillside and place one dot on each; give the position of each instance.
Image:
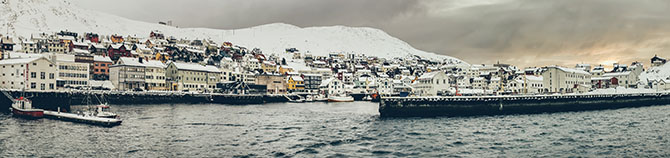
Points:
(655, 73)
(20, 18)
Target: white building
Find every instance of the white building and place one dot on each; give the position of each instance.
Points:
(71, 73)
(385, 86)
(155, 75)
(628, 77)
(192, 77)
(128, 74)
(41, 74)
(429, 84)
(332, 86)
(526, 84)
(565, 80)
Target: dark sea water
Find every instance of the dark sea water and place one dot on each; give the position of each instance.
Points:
(339, 130)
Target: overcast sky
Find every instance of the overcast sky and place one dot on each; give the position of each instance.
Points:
(520, 32)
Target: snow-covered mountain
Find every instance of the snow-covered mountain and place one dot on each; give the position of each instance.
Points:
(20, 18)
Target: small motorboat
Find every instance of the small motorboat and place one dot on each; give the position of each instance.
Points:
(340, 98)
(23, 107)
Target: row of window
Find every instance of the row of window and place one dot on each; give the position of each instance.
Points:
(70, 82)
(131, 76)
(101, 70)
(71, 67)
(42, 75)
(73, 75)
(33, 85)
(156, 77)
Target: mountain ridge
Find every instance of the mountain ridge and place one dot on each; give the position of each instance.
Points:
(21, 18)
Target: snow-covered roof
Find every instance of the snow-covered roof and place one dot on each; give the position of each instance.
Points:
(116, 46)
(296, 78)
(99, 58)
(22, 55)
(569, 70)
(64, 58)
(534, 78)
(429, 75)
(325, 83)
(211, 68)
(128, 61)
(81, 51)
(600, 78)
(79, 43)
(615, 74)
(195, 67)
(154, 64)
(17, 61)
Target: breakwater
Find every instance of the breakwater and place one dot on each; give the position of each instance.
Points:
(64, 99)
(505, 105)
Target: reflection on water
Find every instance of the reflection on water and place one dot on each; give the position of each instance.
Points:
(338, 130)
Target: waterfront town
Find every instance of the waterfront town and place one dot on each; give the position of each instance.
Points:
(158, 62)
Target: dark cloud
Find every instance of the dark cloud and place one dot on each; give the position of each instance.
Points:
(522, 32)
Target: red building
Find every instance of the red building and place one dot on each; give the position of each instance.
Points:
(93, 37)
(115, 51)
(100, 68)
(157, 35)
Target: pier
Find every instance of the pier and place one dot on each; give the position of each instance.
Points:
(505, 105)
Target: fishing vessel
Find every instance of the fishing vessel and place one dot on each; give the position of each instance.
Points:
(23, 107)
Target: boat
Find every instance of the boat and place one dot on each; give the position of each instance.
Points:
(23, 107)
(83, 118)
(309, 98)
(102, 110)
(296, 99)
(320, 98)
(344, 98)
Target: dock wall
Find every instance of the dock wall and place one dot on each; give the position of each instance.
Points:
(64, 99)
(505, 105)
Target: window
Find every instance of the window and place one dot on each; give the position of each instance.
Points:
(51, 76)
(43, 86)
(43, 75)
(51, 86)
(33, 85)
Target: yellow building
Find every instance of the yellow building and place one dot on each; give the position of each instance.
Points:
(163, 57)
(295, 83)
(285, 69)
(269, 66)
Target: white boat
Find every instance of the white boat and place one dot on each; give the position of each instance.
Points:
(309, 98)
(320, 98)
(102, 110)
(345, 98)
